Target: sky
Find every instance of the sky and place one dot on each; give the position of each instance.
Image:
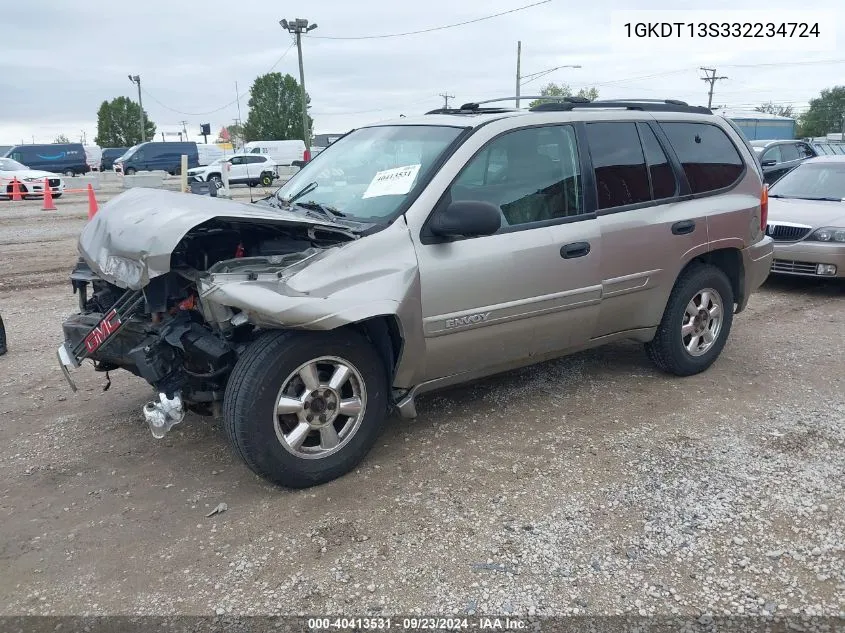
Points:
(60, 60)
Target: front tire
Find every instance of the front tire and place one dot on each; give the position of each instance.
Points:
(130, 171)
(304, 408)
(696, 322)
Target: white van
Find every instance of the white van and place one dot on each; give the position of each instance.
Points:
(209, 153)
(281, 152)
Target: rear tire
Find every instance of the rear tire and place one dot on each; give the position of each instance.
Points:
(696, 322)
(266, 180)
(269, 373)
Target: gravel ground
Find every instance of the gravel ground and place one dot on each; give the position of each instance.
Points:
(591, 485)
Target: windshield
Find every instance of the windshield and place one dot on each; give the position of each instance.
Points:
(128, 153)
(369, 173)
(812, 181)
(7, 164)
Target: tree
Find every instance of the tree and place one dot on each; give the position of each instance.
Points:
(119, 124)
(275, 109)
(233, 134)
(825, 113)
(779, 110)
(562, 90)
(61, 138)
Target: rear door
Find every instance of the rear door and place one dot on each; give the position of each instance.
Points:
(648, 234)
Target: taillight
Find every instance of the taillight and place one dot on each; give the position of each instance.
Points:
(764, 208)
(306, 155)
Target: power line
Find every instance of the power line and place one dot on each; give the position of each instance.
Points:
(231, 103)
(436, 28)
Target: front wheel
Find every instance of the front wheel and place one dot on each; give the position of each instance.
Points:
(304, 408)
(696, 322)
(69, 173)
(130, 171)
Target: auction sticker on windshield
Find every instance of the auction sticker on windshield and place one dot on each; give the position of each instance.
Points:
(392, 182)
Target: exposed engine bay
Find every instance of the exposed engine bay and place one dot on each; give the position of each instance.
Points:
(164, 333)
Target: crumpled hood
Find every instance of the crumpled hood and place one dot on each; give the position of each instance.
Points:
(130, 239)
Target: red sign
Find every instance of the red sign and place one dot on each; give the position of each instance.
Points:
(104, 329)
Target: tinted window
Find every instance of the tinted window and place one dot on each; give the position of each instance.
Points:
(773, 153)
(237, 160)
(709, 158)
(519, 172)
(662, 176)
(789, 151)
(255, 159)
(619, 164)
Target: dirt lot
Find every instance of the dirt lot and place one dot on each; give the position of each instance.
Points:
(589, 485)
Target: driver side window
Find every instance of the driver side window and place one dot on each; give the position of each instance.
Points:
(532, 174)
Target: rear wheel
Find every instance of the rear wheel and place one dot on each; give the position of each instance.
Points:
(266, 179)
(696, 322)
(303, 408)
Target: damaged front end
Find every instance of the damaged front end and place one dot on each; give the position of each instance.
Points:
(138, 283)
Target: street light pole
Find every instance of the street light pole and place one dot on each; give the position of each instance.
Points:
(136, 79)
(298, 27)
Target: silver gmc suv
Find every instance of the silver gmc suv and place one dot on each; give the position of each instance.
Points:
(420, 253)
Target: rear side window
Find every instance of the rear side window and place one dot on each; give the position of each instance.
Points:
(773, 153)
(619, 164)
(709, 158)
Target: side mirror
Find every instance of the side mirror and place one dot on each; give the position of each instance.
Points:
(298, 163)
(769, 163)
(467, 218)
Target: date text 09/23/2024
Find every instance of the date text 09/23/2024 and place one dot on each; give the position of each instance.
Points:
(421, 623)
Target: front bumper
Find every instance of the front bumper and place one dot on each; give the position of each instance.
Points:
(37, 186)
(810, 259)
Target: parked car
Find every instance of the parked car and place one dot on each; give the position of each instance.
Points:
(778, 157)
(109, 156)
(807, 219)
(282, 152)
(397, 262)
(30, 181)
(244, 169)
(157, 155)
(57, 158)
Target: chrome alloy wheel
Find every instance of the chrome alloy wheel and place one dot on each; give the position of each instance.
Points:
(320, 407)
(702, 322)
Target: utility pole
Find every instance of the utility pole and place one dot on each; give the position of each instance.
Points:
(518, 76)
(298, 27)
(136, 79)
(184, 129)
(446, 97)
(711, 78)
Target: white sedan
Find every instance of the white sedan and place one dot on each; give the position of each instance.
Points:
(30, 181)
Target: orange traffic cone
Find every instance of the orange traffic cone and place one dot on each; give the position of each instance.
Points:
(16, 190)
(92, 202)
(49, 205)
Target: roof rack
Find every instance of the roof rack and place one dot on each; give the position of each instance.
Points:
(645, 105)
(474, 107)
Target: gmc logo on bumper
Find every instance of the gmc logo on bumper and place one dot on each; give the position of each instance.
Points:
(102, 331)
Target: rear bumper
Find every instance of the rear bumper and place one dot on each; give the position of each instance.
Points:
(810, 259)
(757, 263)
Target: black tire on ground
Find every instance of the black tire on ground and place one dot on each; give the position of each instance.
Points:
(130, 171)
(250, 401)
(667, 349)
(215, 178)
(69, 173)
(266, 180)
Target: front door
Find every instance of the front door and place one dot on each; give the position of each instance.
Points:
(533, 287)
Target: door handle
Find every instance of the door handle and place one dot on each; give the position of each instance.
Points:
(576, 249)
(683, 227)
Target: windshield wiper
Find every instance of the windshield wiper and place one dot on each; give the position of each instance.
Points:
(824, 199)
(302, 192)
(328, 211)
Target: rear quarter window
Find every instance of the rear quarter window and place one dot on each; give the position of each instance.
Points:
(710, 160)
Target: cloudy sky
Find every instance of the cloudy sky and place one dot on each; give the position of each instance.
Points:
(60, 60)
